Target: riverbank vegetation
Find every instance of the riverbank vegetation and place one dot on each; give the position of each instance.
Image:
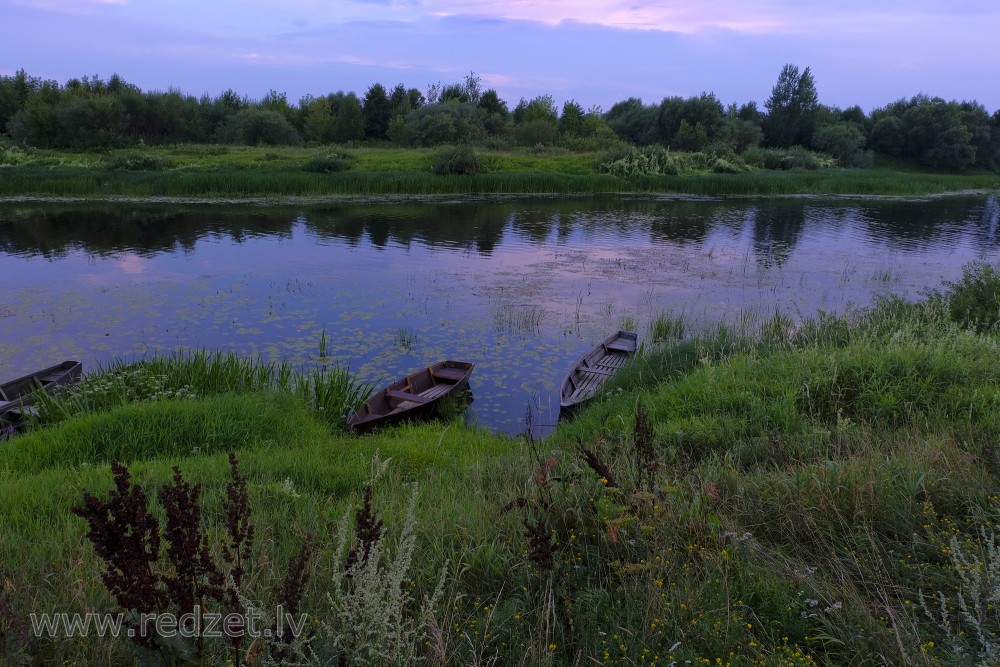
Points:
(234, 173)
(761, 493)
(92, 137)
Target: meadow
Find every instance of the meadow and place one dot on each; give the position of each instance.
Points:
(231, 172)
(762, 493)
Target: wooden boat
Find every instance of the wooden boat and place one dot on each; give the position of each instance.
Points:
(17, 396)
(596, 367)
(413, 397)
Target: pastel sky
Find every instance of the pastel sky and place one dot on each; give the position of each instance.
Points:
(867, 52)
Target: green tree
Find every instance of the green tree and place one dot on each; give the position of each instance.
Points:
(491, 103)
(319, 121)
(255, 126)
(350, 122)
(399, 101)
(443, 123)
(278, 103)
(792, 108)
(571, 120)
(633, 121)
(377, 109)
(494, 113)
(840, 139)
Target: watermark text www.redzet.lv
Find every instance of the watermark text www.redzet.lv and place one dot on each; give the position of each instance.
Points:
(196, 623)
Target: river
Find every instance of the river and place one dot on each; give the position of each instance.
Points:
(522, 287)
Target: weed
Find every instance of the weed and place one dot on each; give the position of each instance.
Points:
(517, 319)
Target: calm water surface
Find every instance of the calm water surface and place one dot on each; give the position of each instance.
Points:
(520, 287)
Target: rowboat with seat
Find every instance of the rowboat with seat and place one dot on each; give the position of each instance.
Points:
(596, 367)
(415, 396)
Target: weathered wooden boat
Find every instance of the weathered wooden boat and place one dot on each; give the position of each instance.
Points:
(596, 367)
(17, 396)
(415, 396)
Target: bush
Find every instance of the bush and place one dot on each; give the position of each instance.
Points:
(444, 123)
(535, 132)
(729, 165)
(254, 127)
(974, 301)
(11, 155)
(137, 162)
(631, 161)
(329, 163)
(460, 160)
(779, 159)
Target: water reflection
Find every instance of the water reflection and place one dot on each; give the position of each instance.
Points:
(521, 287)
(776, 225)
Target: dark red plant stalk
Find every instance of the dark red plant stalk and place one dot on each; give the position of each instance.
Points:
(195, 576)
(294, 585)
(237, 509)
(367, 532)
(645, 452)
(236, 552)
(595, 463)
(540, 547)
(127, 538)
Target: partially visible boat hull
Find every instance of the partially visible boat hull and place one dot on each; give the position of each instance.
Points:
(17, 396)
(414, 397)
(596, 367)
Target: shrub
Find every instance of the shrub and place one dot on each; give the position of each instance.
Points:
(795, 157)
(11, 155)
(459, 160)
(630, 162)
(443, 123)
(253, 127)
(536, 132)
(137, 162)
(973, 301)
(329, 163)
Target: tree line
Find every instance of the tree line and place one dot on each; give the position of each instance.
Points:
(91, 113)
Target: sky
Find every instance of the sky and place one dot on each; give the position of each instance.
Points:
(597, 52)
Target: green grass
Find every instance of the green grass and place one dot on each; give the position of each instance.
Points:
(759, 494)
(244, 172)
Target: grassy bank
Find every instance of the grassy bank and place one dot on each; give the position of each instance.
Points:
(240, 172)
(764, 495)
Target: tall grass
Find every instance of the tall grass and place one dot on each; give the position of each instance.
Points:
(666, 326)
(514, 318)
(331, 392)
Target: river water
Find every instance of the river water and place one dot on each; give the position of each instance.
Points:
(521, 287)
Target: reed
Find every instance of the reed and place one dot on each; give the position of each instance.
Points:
(519, 319)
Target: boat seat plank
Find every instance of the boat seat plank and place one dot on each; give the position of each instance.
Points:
(598, 371)
(621, 346)
(405, 396)
(453, 374)
(436, 390)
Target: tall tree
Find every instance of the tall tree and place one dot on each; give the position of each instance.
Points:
(378, 112)
(792, 108)
(350, 123)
